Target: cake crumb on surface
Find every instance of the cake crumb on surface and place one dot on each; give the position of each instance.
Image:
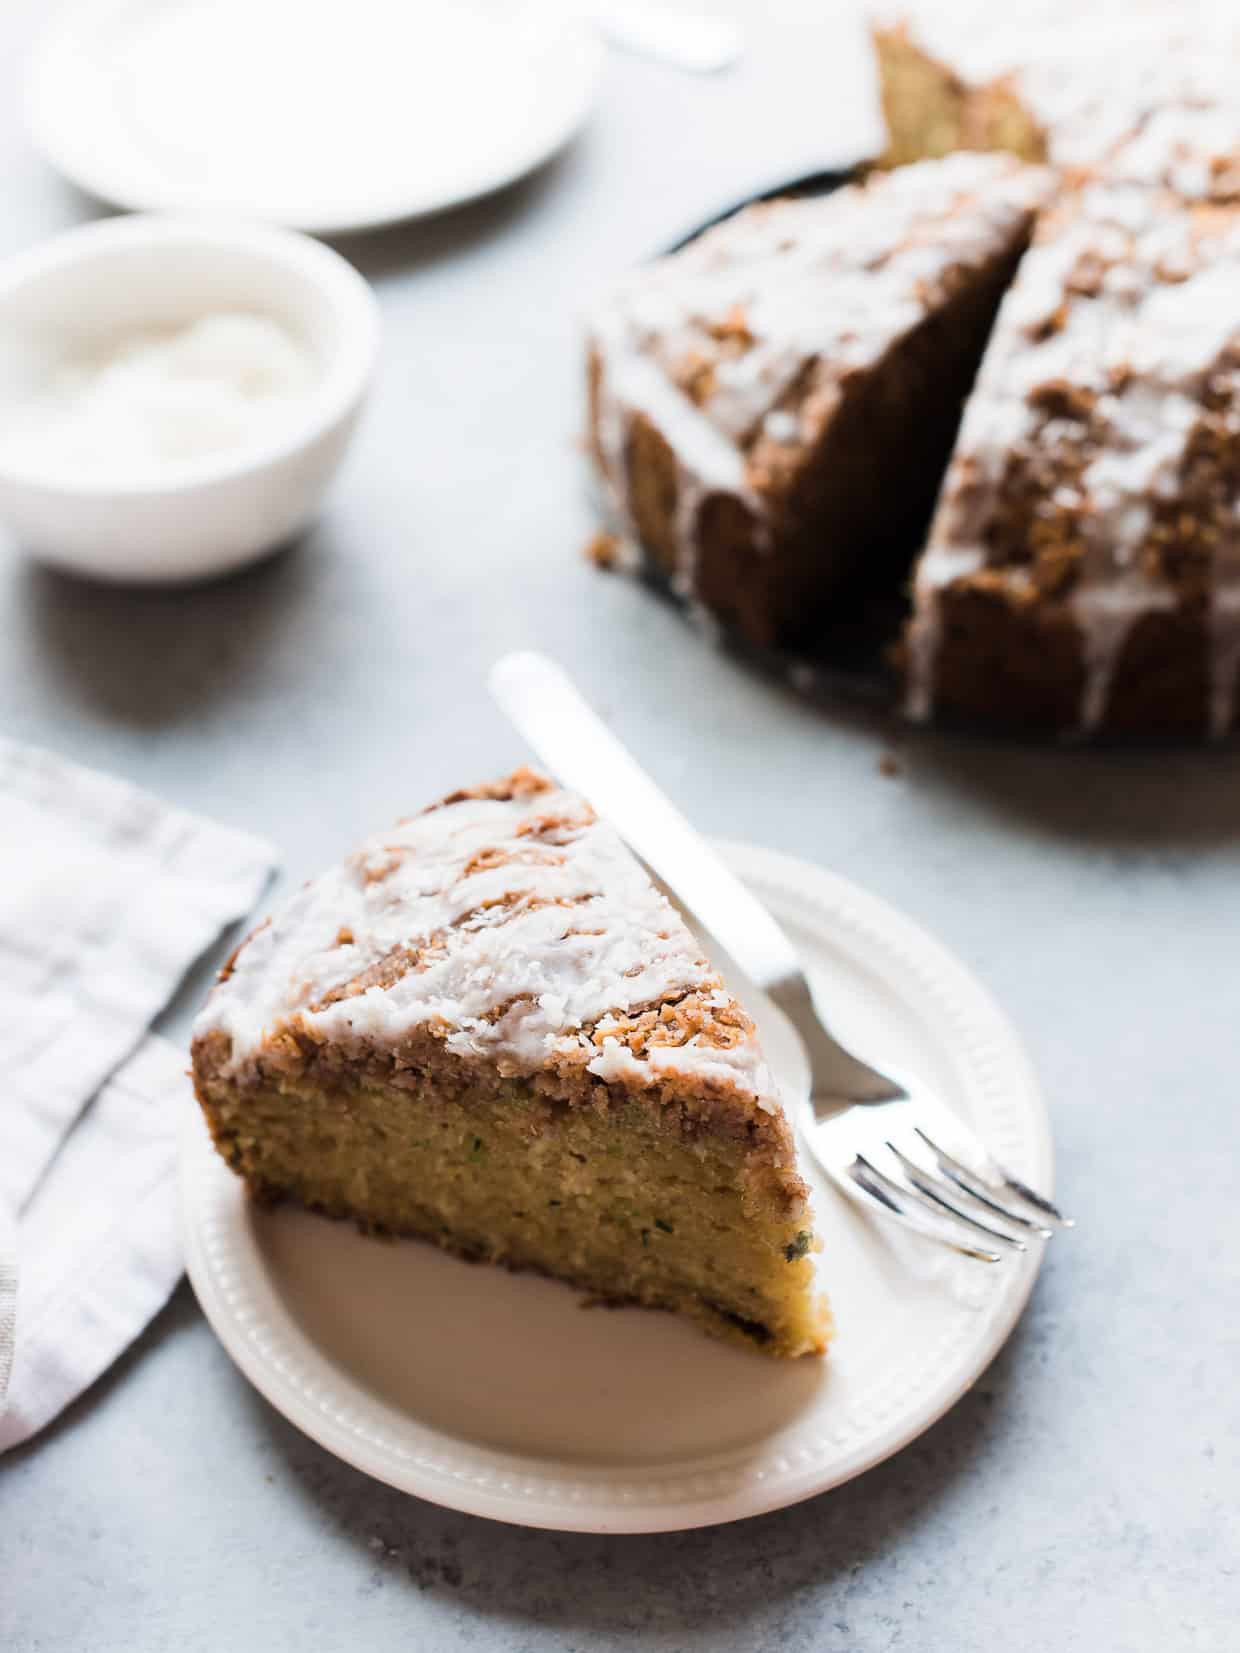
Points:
(608, 551)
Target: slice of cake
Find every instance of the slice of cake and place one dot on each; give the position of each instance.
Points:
(1083, 570)
(771, 408)
(488, 1029)
(1045, 79)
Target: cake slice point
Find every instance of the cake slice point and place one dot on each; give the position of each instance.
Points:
(487, 1029)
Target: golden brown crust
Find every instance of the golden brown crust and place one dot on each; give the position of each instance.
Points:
(684, 1105)
(1016, 656)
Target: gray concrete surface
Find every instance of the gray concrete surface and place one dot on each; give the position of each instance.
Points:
(1083, 1496)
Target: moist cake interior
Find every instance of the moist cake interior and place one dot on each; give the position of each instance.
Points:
(928, 111)
(497, 1173)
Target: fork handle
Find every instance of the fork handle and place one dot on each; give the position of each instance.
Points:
(543, 703)
(835, 1071)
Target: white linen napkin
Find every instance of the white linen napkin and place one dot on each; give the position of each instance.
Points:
(106, 898)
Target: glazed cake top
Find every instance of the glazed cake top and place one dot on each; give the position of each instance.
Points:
(736, 348)
(1191, 151)
(1087, 75)
(511, 924)
(1098, 462)
(729, 322)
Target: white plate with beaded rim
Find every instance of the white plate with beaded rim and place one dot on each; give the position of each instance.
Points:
(340, 115)
(495, 1394)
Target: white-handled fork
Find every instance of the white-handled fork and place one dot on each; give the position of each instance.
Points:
(885, 1141)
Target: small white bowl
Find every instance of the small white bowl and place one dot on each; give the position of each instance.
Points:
(96, 284)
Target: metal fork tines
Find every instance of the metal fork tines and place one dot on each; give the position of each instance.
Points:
(908, 1159)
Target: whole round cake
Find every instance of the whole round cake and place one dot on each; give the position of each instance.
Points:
(1012, 388)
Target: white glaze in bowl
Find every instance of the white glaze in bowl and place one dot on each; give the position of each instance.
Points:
(131, 275)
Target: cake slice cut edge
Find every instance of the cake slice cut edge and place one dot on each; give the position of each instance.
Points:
(487, 1029)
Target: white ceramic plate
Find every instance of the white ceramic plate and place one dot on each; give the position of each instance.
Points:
(323, 115)
(496, 1394)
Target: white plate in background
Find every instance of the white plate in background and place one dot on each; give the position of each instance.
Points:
(495, 1394)
(322, 115)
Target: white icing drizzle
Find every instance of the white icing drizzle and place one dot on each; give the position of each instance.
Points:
(1151, 322)
(781, 426)
(764, 314)
(521, 943)
(940, 566)
(1180, 146)
(706, 462)
(1106, 615)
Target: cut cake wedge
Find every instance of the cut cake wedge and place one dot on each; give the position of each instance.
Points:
(488, 1029)
(771, 408)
